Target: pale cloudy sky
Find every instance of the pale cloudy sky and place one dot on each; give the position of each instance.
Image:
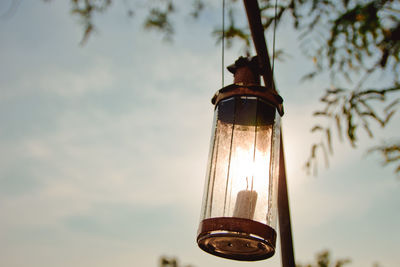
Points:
(103, 147)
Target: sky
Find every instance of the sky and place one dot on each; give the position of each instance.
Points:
(103, 147)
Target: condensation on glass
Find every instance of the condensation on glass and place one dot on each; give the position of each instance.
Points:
(239, 210)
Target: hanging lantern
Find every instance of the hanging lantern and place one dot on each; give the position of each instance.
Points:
(239, 210)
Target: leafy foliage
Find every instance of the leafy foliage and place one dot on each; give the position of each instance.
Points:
(85, 10)
(352, 41)
(390, 153)
(159, 18)
(170, 262)
(232, 32)
(158, 14)
(363, 40)
(356, 109)
(323, 259)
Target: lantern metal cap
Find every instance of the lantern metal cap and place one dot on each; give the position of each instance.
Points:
(249, 90)
(246, 71)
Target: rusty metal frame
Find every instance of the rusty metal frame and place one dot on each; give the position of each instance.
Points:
(285, 230)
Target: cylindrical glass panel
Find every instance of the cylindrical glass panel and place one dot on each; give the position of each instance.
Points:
(238, 214)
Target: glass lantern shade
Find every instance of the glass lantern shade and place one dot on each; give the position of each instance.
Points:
(239, 210)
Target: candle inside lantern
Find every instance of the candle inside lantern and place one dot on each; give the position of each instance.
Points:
(245, 204)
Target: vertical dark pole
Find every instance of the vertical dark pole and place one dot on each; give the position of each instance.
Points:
(257, 33)
(285, 228)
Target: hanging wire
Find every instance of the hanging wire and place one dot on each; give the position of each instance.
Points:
(273, 42)
(223, 42)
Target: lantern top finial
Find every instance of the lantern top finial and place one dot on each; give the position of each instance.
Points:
(245, 71)
(250, 62)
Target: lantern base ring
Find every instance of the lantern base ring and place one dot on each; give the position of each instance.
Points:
(237, 238)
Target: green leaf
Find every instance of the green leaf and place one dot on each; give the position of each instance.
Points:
(316, 128)
(320, 113)
(329, 140)
(339, 127)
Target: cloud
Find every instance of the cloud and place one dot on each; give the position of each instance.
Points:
(147, 156)
(60, 81)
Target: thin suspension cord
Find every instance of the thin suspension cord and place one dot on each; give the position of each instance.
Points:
(223, 42)
(273, 42)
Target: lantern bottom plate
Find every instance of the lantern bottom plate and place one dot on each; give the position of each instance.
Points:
(238, 243)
